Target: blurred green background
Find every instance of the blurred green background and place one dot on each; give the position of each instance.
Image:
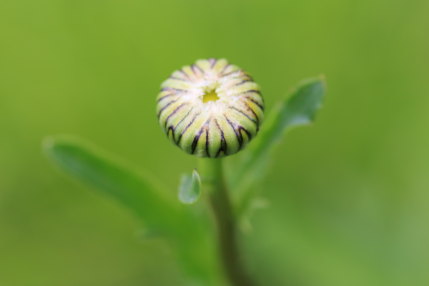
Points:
(349, 195)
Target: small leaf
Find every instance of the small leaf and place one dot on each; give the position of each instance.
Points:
(300, 109)
(190, 188)
(116, 180)
(255, 204)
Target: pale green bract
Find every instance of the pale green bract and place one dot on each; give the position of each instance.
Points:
(210, 108)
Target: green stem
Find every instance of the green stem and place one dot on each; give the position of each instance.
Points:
(213, 181)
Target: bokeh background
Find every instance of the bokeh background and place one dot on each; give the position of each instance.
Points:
(349, 195)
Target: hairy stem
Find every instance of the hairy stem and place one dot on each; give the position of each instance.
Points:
(214, 184)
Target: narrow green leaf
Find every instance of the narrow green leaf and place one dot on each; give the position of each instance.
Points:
(115, 179)
(300, 109)
(160, 213)
(190, 188)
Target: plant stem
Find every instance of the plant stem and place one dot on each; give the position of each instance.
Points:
(213, 181)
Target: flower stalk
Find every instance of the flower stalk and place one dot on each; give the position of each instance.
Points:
(215, 187)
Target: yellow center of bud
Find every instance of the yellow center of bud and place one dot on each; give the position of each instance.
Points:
(210, 95)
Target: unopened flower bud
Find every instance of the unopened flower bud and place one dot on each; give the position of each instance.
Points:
(210, 108)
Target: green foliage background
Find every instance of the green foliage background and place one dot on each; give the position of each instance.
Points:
(349, 195)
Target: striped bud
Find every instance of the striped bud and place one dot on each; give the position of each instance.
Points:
(210, 108)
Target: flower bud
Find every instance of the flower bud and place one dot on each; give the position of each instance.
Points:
(210, 108)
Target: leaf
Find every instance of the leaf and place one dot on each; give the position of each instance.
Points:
(190, 188)
(255, 205)
(300, 109)
(160, 213)
(116, 180)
